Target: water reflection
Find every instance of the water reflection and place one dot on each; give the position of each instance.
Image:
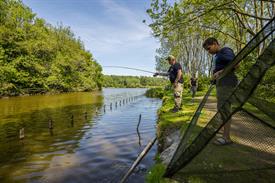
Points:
(84, 144)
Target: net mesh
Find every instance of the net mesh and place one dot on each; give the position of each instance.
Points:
(255, 132)
(251, 156)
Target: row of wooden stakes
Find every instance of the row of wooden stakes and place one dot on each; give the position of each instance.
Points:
(120, 102)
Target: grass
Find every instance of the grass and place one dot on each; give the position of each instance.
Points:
(155, 92)
(168, 118)
(169, 122)
(239, 162)
(155, 175)
(258, 113)
(172, 121)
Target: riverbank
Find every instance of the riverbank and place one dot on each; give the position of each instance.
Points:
(169, 127)
(153, 91)
(249, 159)
(55, 92)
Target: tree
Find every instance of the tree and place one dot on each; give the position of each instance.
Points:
(186, 24)
(38, 57)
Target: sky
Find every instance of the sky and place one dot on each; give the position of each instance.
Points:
(112, 30)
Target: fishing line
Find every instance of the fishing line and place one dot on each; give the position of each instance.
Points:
(129, 68)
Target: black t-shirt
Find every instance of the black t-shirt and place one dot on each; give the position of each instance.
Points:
(223, 58)
(193, 82)
(173, 71)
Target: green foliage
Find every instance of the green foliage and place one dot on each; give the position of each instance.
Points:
(155, 93)
(267, 87)
(132, 81)
(203, 82)
(36, 57)
(183, 26)
(155, 175)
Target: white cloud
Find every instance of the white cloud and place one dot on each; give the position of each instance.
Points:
(118, 38)
(111, 29)
(125, 25)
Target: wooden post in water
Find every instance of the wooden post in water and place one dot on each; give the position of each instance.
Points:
(86, 115)
(21, 133)
(116, 104)
(139, 139)
(104, 108)
(139, 158)
(120, 103)
(50, 124)
(139, 121)
(72, 120)
(111, 107)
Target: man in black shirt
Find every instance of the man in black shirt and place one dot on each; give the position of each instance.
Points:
(193, 83)
(175, 77)
(225, 85)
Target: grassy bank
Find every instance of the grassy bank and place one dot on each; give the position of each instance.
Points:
(155, 92)
(248, 159)
(169, 122)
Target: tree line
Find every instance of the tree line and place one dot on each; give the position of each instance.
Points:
(38, 57)
(132, 81)
(182, 27)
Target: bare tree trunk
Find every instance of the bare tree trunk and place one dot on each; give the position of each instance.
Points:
(262, 47)
(257, 24)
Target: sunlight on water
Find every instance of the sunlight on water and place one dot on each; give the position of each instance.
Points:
(85, 143)
(17, 105)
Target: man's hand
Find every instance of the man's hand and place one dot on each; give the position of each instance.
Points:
(217, 74)
(156, 74)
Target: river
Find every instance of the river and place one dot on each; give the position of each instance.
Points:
(71, 138)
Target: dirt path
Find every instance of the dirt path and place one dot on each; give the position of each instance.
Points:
(251, 158)
(246, 130)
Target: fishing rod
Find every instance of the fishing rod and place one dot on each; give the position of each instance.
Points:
(129, 68)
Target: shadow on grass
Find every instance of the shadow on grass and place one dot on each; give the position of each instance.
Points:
(251, 158)
(231, 163)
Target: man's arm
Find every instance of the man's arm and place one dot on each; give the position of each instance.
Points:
(161, 74)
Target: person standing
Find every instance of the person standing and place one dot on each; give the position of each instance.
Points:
(175, 77)
(194, 86)
(225, 85)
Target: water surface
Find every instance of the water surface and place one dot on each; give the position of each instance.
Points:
(86, 144)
